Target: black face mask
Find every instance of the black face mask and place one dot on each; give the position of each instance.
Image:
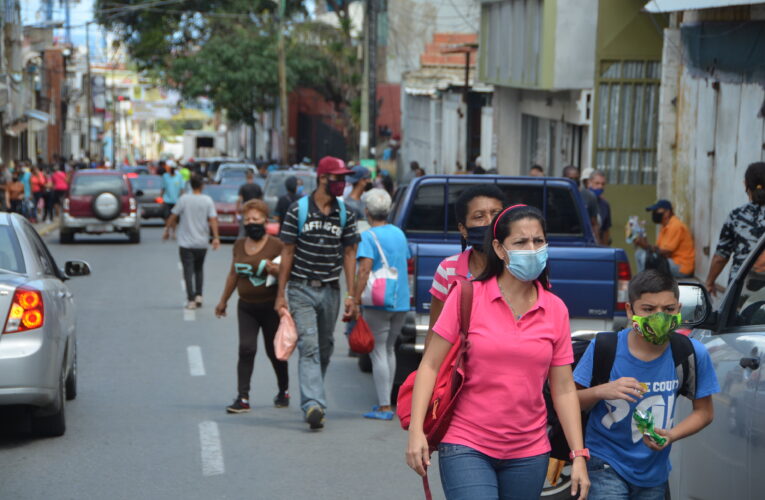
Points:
(475, 236)
(657, 217)
(255, 231)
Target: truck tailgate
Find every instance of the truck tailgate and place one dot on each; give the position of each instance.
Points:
(585, 278)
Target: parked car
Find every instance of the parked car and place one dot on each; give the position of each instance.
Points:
(275, 189)
(38, 346)
(150, 201)
(726, 458)
(98, 202)
(234, 170)
(225, 198)
(207, 167)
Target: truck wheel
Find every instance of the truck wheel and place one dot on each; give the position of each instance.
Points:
(71, 380)
(365, 363)
(562, 488)
(53, 425)
(65, 237)
(134, 236)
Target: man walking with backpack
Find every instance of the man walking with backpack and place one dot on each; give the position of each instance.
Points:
(320, 239)
(642, 369)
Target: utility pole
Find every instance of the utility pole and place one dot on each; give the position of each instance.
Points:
(89, 89)
(372, 77)
(68, 24)
(283, 105)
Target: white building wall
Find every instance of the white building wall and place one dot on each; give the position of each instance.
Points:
(575, 39)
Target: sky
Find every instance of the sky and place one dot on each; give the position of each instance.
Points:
(32, 12)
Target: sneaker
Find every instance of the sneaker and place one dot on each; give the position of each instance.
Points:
(282, 400)
(379, 415)
(191, 305)
(198, 300)
(315, 418)
(240, 405)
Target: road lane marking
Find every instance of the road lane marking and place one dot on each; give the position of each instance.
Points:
(180, 266)
(189, 314)
(196, 365)
(212, 452)
(183, 286)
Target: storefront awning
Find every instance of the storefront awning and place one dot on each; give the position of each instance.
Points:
(658, 6)
(430, 80)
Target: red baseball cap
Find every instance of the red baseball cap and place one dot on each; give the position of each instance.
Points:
(329, 165)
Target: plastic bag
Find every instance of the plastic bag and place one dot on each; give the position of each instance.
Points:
(286, 337)
(361, 339)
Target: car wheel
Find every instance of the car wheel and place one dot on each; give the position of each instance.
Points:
(71, 380)
(734, 420)
(365, 363)
(135, 236)
(53, 425)
(65, 237)
(562, 488)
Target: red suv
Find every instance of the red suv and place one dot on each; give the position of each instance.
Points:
(100, 201)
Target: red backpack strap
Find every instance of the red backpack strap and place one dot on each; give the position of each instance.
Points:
(466, 307)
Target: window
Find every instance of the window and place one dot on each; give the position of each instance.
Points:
(41, 255)
(11, 258)
(561, 212)
(427, 212)
(627, 121)
(511, 41)
(750, 308)
(222, 194)
(91, 185)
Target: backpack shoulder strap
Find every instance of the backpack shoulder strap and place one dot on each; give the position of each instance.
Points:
(466, 306)
(343, 212)
(302, 213)
(684, 358)
(603, 358)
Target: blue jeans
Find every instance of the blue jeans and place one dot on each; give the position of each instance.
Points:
(314, 310)
(467, 474)
(606, 484)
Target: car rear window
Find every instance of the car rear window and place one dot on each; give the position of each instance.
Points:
(275, 187)
(221, 194)
(427, 212)
(89, 185)
(146, 182)
(11, 258)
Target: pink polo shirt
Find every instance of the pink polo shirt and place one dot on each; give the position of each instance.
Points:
(501, 411)
(450, 270)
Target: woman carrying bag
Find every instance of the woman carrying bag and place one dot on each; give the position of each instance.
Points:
(251, 266)
(496, 445)
(383, 251)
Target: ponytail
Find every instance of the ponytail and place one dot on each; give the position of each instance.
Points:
(754, 179)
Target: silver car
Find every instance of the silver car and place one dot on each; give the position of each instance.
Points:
(275, 188)
(726, 459)
(38, 348)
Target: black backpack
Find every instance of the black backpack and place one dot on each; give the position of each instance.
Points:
(683, 355)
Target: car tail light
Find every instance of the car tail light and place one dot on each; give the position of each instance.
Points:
(410, 271)
(27, 311)
(66, 205)
(159, 199)
(132, 205)
(623, 276)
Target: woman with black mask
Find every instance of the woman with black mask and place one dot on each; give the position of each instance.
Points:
(251, 266)
(476, 206)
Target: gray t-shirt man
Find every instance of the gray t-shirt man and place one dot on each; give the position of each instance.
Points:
(194, 211)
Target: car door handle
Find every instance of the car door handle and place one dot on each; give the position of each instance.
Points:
(751, 363)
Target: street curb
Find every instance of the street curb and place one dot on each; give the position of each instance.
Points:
(48, 229)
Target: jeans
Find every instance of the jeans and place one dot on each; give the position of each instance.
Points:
(467, 474)
(193, 260)
(252, 317)
(386, 327)
(314, 310)
(640, 256)
(606, 484)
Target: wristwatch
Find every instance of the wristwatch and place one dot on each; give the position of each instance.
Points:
(579, 453)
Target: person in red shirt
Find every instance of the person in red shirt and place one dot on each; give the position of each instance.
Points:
(60, 181)
(496, 445)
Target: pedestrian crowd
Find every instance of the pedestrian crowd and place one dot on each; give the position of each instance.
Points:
(34, 190)
(497, 291)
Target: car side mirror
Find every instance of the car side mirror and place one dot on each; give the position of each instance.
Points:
(138, 193)
(696, 306)
(76, 268)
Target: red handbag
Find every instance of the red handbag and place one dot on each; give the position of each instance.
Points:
(449, 382)
(361, 339)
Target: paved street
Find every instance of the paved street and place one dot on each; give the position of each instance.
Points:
(149, 420)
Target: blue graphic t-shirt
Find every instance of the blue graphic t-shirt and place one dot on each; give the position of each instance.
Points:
(394, 244)
(611, 432)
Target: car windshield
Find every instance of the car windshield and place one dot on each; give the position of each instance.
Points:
(89, 185)
(146, 182)
(277, 189)
(222, 194)
(11, 258)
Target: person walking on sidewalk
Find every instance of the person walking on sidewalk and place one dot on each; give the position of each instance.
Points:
(197, 218)
(320, 238)
(250, 268)
(383, 244)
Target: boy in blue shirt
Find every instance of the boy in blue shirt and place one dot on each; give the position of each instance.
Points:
(624, 463)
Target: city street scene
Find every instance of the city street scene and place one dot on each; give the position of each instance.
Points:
(382, 249)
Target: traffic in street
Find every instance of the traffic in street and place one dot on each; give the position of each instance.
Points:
(154, 380)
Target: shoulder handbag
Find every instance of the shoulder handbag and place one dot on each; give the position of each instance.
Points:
(449, 382)
(380, 290)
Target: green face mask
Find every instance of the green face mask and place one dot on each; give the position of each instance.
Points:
(656, 327)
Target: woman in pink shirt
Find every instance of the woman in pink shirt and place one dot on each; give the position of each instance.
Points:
(496, 446)
(60, 187)
(474, 210)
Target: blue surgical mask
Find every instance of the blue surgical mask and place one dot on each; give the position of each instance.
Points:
(597, 192)
(527, 265)
(299, 190)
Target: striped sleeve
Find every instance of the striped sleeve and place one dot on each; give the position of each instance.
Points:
(289, 227)
(440, 287)
(350, 234)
